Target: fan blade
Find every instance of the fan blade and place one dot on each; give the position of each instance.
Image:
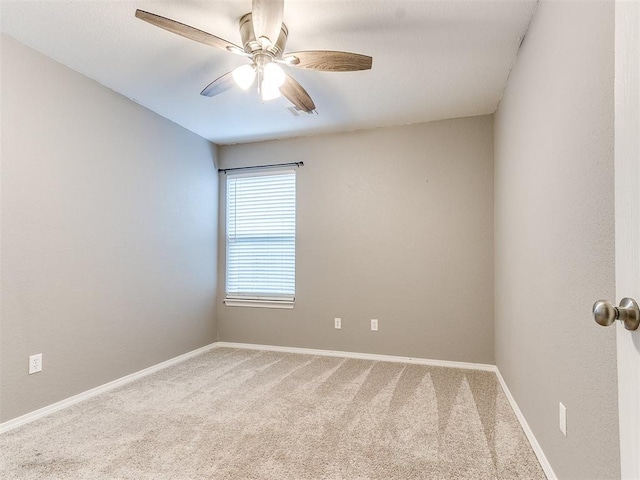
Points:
(330, 61)
(219, 85)
(238, 51)
(297, 95)
(266, 16)
(287, 60)
(184, 30)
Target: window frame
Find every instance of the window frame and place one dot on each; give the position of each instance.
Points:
(248, 299)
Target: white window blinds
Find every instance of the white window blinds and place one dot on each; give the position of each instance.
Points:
(261, 235)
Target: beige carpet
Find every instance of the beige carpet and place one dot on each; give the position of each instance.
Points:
(243, 414)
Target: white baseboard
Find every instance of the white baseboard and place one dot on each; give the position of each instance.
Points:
(361, 356)
(67, 402)
(544, 463)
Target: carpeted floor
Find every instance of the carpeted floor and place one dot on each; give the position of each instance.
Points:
(245, 414)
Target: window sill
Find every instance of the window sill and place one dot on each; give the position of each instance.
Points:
(258, 302)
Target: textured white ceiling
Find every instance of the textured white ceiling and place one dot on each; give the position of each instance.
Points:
(431, 59)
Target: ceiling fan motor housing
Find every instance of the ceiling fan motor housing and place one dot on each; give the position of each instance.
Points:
(252, 45)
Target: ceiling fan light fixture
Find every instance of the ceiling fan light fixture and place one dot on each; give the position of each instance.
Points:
(244, 76)
(264, 37)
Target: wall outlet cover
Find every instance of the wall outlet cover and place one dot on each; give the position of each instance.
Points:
(374, 325)
(337, 323)
(35, 363)
(563, 419)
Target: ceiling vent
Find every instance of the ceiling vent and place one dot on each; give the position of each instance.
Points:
(298, 112)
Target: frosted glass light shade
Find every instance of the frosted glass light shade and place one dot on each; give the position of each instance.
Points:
(244, 76)
(274, 75)
(269, 91)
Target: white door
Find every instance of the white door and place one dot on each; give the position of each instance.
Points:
(627, 204)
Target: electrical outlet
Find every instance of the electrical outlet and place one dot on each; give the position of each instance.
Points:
(374, 324)
(337, 322)
(563, 419)
(35, 363)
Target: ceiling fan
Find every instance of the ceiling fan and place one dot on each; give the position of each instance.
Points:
(264, 37)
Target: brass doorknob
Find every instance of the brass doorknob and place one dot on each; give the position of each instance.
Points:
(628, 313)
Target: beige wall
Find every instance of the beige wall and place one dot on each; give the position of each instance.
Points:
(108, 234)
(554, 234)
(394, 224)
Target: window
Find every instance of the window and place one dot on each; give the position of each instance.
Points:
(261, 239)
